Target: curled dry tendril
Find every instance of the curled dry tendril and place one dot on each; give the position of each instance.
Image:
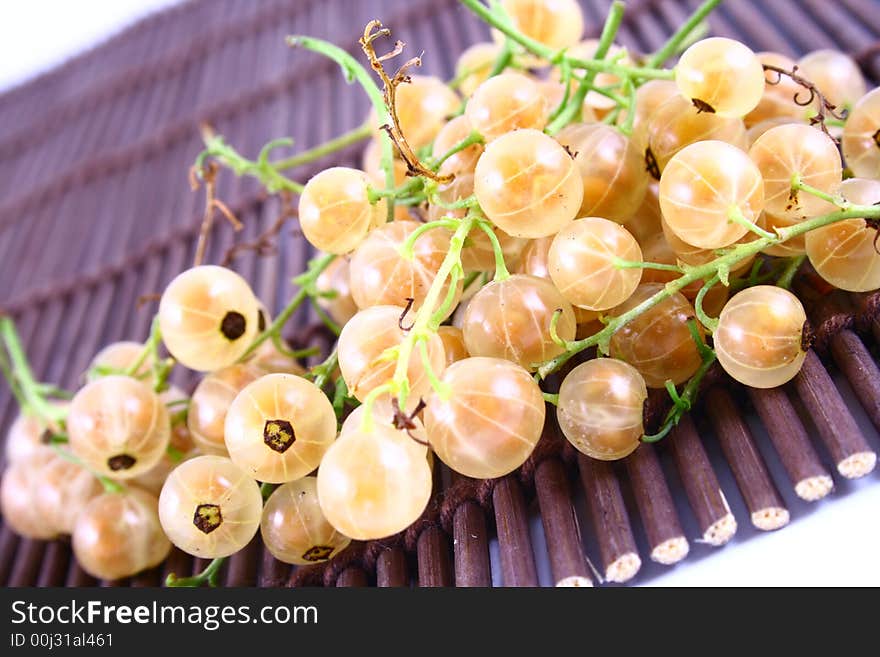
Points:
(373, 31)
(263, 244)
(406, 421)
(207, 174)
(824, 108)
(409, 304)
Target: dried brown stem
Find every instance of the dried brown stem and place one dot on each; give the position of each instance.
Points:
(372, 32)
(263, 244)
(208, 175)
(823, 107)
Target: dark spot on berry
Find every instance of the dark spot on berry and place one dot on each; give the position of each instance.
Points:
(807, 336)
(207, 517)
(261, 321)
(121, 462)
(317, 553)
(278, 435)
(651, 163)
(876, 137)
(702, 106)
(233, 325)
(46, 437)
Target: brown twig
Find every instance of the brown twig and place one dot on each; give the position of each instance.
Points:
(373, 31)
(208, 175)
(823, 107)
(263, 244)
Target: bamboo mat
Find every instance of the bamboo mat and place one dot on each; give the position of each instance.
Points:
(95, 211)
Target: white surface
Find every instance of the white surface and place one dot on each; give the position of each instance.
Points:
(36, 35)
(834, 542)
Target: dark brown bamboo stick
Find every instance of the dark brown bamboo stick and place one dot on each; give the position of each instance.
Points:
(272, 573)
(564, 546)
(809, 477)
(353, 576)
(8, 543)
(56, 561)
(471, 546)
(617, 545)
(860, 369)
(242, 566)
(179, 563)
(432, 550)
(768, 511)
(27, 562)
(837, 428)
(701, 486)
(514, 541)
(391, 568)
(656, 507)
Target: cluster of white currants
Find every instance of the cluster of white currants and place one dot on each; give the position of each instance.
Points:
(568, 229)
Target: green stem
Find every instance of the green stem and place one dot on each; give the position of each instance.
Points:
(556, 57)
(421, 326)
(632, 264)
(332, 146)
(332, 326)
(574, 108)
(708, 270)
(407, 249)
(261, 169)
(709, 322)
(671, 46)
(266, 489)
(322, 372)
(473, 138)
(20, 372)
(353, 71)
(501, 272)
(791, 268)
(208, 576)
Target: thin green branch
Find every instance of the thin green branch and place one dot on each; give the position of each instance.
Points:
(355, 72)
(672, 45)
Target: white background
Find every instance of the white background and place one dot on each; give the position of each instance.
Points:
(835, 542)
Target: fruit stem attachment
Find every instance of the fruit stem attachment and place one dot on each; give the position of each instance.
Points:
(709, 322)
(682, 34)
(791, 269)
(372, 32)
(554, 335)
(735, 215)
(797, 185)
(473, 138)
(501, 272)
(573, 109)
(683, 402)
(210, 576)
(407, 249)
